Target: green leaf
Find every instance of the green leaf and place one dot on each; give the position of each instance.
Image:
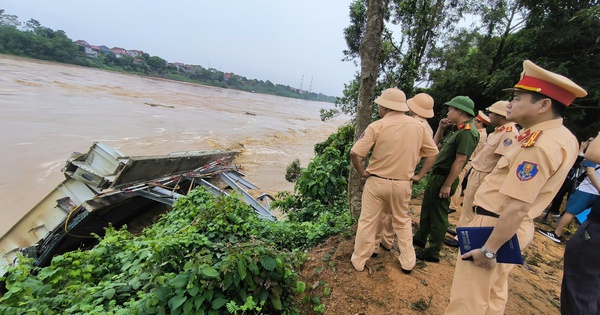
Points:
(208, 294)
(268, 263)
(179, 281)
(176, 301)
(241, 265)
(300, 286)
(193, 291)
(187, 307)
(218, 303)
(109, 293)
(254, 268)
(162, 293)
(276, 300)
(198, 300)
(210, 272)
(189, 265)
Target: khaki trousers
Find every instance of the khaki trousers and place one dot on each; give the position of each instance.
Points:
(380, 198)
(476, 290)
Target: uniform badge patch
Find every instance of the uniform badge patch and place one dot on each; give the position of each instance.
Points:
(507, 142)
(527, 170)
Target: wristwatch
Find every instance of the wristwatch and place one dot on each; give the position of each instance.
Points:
(488, 254)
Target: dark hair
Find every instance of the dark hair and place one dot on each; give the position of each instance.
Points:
(558, 108)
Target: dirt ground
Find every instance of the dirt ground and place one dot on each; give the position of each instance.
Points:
(534, 287)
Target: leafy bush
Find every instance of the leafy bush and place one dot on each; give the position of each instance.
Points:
(319, 206)
(325, 178)
(201, 258)
(293, 171)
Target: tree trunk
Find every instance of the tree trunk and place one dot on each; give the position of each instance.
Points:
(370, 60)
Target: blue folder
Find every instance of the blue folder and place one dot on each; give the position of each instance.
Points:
(470, 238)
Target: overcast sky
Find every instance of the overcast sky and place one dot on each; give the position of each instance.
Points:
(280, 41)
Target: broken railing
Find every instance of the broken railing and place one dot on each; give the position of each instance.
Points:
(103, 186)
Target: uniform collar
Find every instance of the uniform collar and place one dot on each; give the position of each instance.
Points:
(419, 118)
(545, 125)
(467, 125)
(394, 114)
(509, 126)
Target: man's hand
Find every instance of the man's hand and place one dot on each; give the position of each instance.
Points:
(445, 123)
(365, 174)
(445, 192)
(415, 178)
(479, 259)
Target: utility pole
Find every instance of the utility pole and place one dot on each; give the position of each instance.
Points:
(310, 86)
(301, 81)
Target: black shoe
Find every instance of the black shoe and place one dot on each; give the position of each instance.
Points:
(451, 232)
(422, 256)
(451, 242)
(406, 272)
(451, 211)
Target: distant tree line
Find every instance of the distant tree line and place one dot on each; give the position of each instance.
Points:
(33, 40)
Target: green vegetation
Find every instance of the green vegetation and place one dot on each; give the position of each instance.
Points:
(209, 255)
(36, 41)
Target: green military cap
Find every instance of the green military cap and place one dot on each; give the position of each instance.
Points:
(463, 103)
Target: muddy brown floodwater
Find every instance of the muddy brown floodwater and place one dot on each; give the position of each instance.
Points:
(50, 110)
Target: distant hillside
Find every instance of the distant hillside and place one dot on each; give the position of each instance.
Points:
(31, 39)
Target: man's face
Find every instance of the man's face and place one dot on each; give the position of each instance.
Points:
(453, 115)
(494, 119)
(522, 108)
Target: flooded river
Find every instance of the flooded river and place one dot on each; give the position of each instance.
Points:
(49, 110)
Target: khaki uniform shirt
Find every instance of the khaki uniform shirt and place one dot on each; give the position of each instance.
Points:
(424, 121)
(532, 171)
(497, 144)
(397, 140)
(462, 141)
(482, 137)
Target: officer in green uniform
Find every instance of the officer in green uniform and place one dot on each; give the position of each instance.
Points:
(443, 180)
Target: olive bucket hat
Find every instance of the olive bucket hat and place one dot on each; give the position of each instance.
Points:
(463, 103)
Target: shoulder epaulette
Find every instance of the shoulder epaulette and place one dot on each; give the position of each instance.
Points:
(531, 140)
(524, 135)
(509, 129)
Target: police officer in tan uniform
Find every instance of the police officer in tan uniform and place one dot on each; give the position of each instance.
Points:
(519, 187)
(497, 144)
(398, 142)
(480, 122)
(420, 108)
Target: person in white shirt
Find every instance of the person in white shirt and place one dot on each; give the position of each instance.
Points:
(584, 197)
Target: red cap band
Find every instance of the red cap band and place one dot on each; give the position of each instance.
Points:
(543, 87)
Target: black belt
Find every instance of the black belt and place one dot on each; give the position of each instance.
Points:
(479, 210)
(386, 177)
